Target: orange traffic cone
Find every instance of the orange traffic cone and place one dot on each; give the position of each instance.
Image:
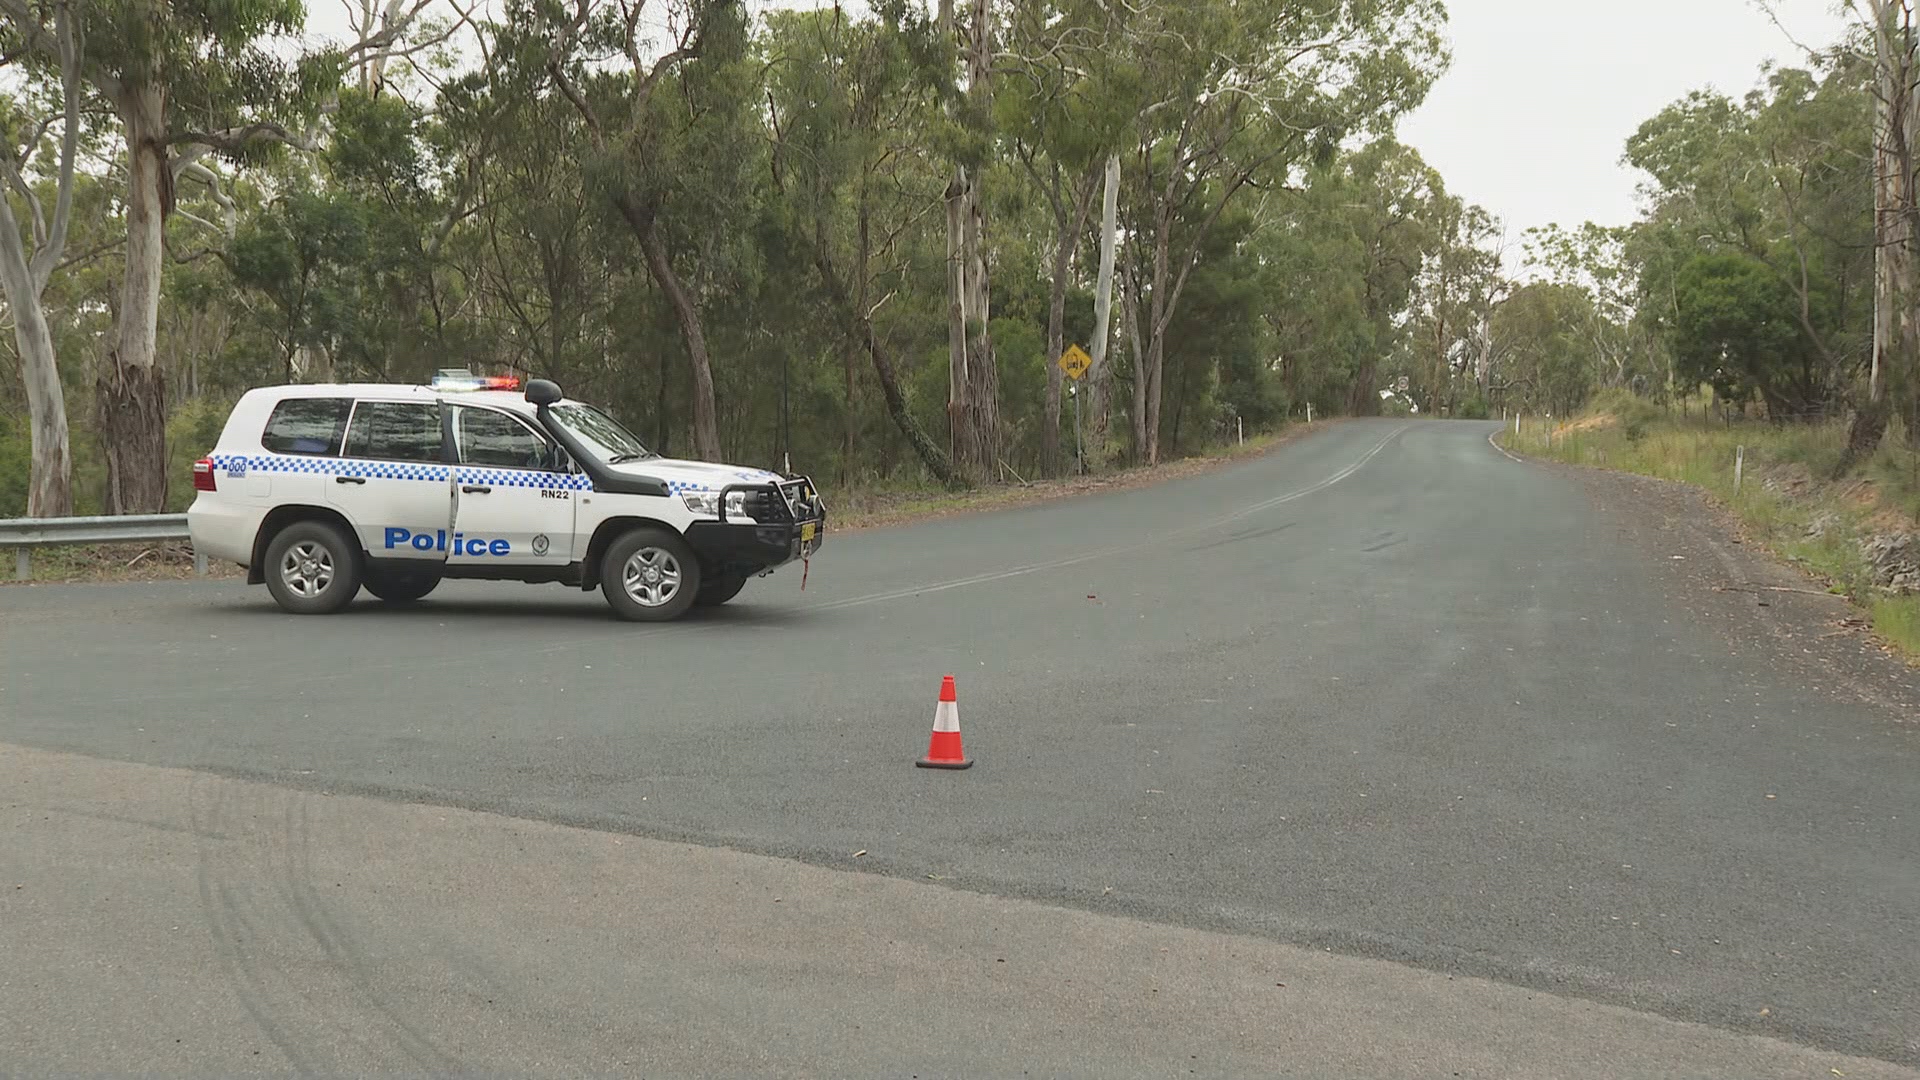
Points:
(943, 751)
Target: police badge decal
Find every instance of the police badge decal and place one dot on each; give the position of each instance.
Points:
(540, 544)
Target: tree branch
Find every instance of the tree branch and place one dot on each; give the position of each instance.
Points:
(54, 243)
(229, 212)
(232, 140)
(390, 31)
(561, 51)
(18, 182)
(1192, 255)
(90, 254)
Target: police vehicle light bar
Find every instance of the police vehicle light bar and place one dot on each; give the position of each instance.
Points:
(456, 379)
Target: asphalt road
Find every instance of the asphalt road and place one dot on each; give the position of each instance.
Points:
(1383, 693)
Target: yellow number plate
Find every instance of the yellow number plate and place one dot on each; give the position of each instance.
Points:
(806, 532)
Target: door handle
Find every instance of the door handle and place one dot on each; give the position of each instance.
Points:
(475, 489)
(349, 479)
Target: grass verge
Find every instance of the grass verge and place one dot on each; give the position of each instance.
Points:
(1787, 499)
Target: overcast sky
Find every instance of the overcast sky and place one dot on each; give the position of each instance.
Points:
(1533, 117)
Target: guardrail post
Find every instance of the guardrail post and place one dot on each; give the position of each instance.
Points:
(22, 565)
(199, 562)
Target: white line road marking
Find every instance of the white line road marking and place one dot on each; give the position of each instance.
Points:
(1122, 549)
(1503, 449)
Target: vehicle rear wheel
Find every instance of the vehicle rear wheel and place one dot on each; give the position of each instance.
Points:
(402, 586)
(719, 590)
(650, 575)
(313, 568)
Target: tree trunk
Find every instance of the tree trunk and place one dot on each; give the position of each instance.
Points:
(1130, 310)
(1148, 394)
(983, 370)
(1156, 367)
(1056, 338)
(1067, 226)
(49, 485)
(1894, 354)
(973, 389)
(131, 390)
(960, 448)
(706, 427)
(23, 283)
(856, 319)
(923, 444)
(1361, 398)
(859, 327)
(1099, 376)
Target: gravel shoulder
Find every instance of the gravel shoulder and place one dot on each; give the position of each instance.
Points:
(1763, 606)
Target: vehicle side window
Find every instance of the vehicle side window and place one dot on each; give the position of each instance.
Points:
(395, 431)
(495, 439)
(306, 426)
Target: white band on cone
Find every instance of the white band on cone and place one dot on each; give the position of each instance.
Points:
(946, 716)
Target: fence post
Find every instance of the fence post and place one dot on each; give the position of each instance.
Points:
(22, 564)
(1739, 466)
(1309, 413)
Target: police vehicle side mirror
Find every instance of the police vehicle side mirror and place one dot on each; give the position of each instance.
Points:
(542, 392)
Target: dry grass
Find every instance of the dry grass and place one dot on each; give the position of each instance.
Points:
(113, 562)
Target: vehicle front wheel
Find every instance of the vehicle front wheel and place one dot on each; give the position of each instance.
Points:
(313, 568)
(719, 590)
(650, 575)
(400, 587)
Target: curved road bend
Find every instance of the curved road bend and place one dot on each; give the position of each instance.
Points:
(1383, 716)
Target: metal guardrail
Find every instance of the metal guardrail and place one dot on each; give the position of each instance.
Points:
(25, 534)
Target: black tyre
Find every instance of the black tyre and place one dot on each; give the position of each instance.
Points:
(650, 575)
(313, 568)
(718, 591)
(402, 586)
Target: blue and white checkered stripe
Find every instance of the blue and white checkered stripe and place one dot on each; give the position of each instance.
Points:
(327, 466)
(525, 478)
(241, 464)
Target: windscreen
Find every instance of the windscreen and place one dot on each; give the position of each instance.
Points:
(602, 434)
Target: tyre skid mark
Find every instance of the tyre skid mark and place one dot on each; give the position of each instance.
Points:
(257, 897)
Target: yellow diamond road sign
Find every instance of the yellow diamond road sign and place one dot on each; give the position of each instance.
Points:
(1075, 361)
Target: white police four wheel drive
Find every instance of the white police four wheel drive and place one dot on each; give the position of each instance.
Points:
(321, 490)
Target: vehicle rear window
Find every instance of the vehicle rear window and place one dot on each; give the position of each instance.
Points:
(306, 426)
(395, 431)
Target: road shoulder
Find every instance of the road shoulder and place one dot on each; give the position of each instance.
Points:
(1762, 606)
(189, 923)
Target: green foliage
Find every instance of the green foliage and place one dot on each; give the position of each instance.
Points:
(1734, 327)
(192, 431)
(1548, 364)
(472, 214)
(1756, 258)
(16, 459)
